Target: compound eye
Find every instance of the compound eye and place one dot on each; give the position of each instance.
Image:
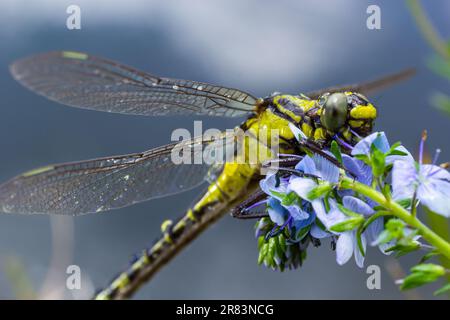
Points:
(334, 114)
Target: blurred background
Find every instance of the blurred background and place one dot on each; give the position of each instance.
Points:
(258, 46)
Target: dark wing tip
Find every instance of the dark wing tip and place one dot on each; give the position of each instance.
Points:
(389, 80)
(368, 87)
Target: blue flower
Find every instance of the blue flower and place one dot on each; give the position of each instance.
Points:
(274, 186)
(362, 172)
(284, 215)
(319, 213)
(379, 140)
(347, 242)
(316, 166)
(430, 184)
(302, 186)
(277, 213)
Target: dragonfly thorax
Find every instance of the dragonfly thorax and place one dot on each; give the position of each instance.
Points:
(343, 115)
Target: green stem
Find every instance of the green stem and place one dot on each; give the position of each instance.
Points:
(400, 212)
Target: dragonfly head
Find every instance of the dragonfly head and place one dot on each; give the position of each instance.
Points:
(347, 114)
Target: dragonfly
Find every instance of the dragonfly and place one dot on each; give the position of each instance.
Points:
(342, 114)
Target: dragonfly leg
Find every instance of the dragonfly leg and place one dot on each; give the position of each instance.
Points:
(242, 211)
(317, 149)
(282, 162)
(167, 230)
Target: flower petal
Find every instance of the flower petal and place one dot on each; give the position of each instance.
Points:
(273, 183)
(377, 138)
(344, 248)
(318, 233)
(297, 213)
(319, 210)
(362, 171)
(307, 165)
(434, 189)
(433, 172)
(357, 205)
(374, 229)
(325, 169)
(437, 200)
(333, 217)
(301, 223)
(404, 176)
(276, 212)
(260, 227)
(406, 157)
(302, 186)
(298, 133)
(359, 258)
(384, 246)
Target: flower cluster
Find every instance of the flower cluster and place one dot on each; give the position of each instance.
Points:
(355, 200)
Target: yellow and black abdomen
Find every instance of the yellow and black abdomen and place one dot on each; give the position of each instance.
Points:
(260, 134)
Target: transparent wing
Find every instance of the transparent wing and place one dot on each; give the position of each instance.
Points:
(79, 80)
(107, 183)
(369, 87)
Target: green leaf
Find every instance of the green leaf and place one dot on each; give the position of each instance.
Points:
(422, 274)
(326, 202)
(277, 194)
(347, 225)
(429, 255)
(364, 158)
(441, 101)
(269, 257)
(268, 261)
(319, 191)
(440, 225)
(386, 191)
(393, 230)
(272, 247)
(401, 249)
(260, 242)
(379, 213)
(260, 258)
(439, 66)
(378, 162)
(417, 279)
(396, 227)
(320, 225)
(263, 252)
(347, 212)
(405, 203)
(364, 226)
(396, 153)
(384, 237)
(279, 250)
(336, 151)
(300, 234)
(282, 240)
(290, 199)
(429, 268)
(303, 255)
(359, 240)
(444, 289)
(395, 146)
